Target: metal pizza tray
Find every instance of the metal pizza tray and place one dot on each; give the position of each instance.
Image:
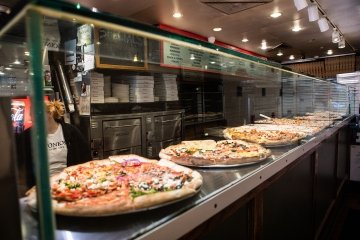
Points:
(34, 210)
(226, 165)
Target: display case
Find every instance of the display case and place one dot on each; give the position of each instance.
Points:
(102, 65)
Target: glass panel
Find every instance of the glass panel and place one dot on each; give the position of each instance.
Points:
(117, 74)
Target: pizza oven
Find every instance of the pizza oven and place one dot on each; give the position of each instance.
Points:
(143, 134)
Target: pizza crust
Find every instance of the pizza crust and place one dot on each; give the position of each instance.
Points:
(189, 154)
(120, 202)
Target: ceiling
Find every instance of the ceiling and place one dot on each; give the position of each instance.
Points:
(245, 18)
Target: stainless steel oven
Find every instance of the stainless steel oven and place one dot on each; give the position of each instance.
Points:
(164, 129)
(117, 134)
(144, 134)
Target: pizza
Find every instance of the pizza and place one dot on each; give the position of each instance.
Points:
(119, 184)
(212, 153)
(266, 137)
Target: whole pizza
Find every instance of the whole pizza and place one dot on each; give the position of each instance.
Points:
(268, 138)
(119, 184)
(211, 153)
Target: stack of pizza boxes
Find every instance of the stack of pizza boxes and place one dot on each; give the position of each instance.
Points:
(97, 87)
(141, 88)
(166, 87)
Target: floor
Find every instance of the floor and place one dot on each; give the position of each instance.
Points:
(345, 219)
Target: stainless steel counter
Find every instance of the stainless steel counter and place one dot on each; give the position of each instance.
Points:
(222, 186)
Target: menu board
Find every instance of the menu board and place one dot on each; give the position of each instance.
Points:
(119, 50)
(174, 55)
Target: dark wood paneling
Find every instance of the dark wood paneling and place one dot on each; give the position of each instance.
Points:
(325, 182)
(287, 204)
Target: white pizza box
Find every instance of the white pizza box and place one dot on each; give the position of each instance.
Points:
(141, 85)
(120, 86)
(354, 162)
(150, 98)
(97, 99)
(145, 91)
(97, 88)
(111, 99)
(97, 84)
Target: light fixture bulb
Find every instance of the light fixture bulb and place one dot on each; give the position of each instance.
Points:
(323, 24)
(291, 57)
(296, 29)
(177, 15)
(245, 39)
(313, 12)
(341, 43)
(275, 14)
(263, 45)
(300, 4)
(279, 53)
(335, 36)
(217, 29)
(329, 52)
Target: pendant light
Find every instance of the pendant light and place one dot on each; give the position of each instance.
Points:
(323, 24)
(335, 36)
(313, 12)
(300, 4)
(341, 43)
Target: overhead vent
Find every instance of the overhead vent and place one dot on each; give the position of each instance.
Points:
(230, 7)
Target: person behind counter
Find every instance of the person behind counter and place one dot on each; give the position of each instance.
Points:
(65, 143)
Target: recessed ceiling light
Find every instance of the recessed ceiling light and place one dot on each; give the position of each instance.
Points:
(296, 28)
(291, 57)
(177, 15)
(263, 45)
(279, 53)
(217, 29)
(275, 14)
(245, 39)
(329, 52)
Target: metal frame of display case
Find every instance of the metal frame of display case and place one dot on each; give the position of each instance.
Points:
(192, 212)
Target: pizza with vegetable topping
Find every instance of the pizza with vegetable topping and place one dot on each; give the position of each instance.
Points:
(203, 153)
(266, 137)
(119, 184)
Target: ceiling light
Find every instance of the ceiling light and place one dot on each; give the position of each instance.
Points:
(27, 53)
(78, 6)
(279, 53)
(300, 4)
(323, 24)
(217, 29)
(94, 9)
(296, 28)
(335, 36)
(8, 68)
(177, 15)
(245, 39)
(192, 57)
(341, 43)
(313, 12)
(329, 52)
(291, 57)
(135, 59)
(263, 45)
(17, 62)
(275, 14)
